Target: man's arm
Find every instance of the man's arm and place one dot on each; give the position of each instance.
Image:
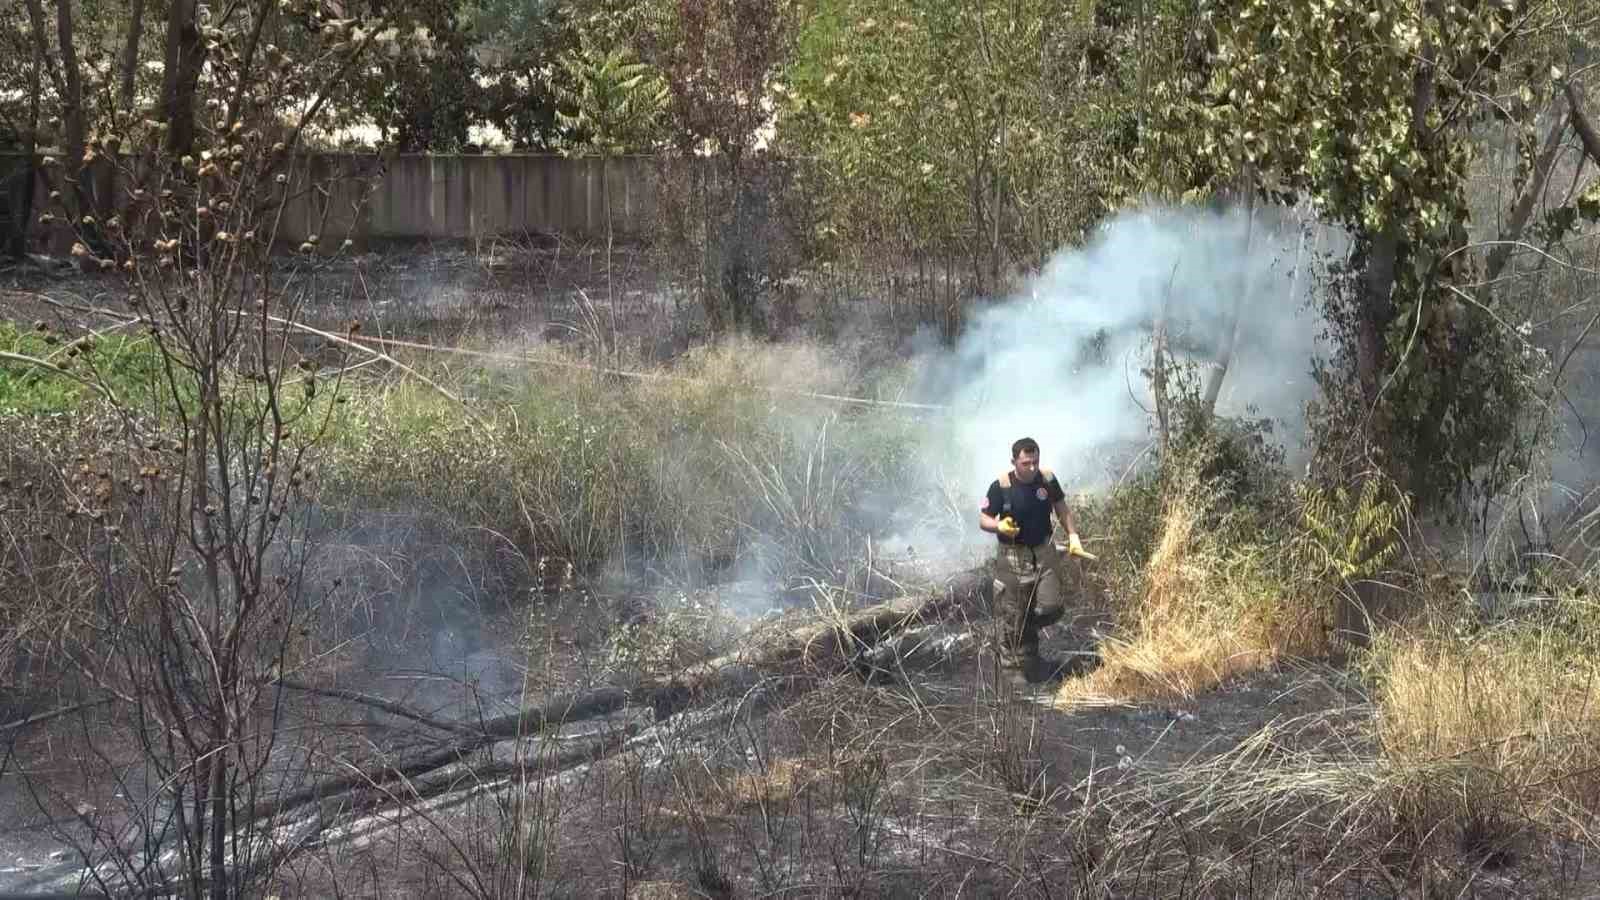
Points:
(1064, 515)
(1074, 543)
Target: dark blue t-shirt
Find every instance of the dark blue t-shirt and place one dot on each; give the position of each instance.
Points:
(1029, 504)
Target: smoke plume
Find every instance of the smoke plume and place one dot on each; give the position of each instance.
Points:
(1062, 361)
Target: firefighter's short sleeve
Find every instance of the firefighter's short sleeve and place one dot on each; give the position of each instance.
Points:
(995, 500)
(1056, 493)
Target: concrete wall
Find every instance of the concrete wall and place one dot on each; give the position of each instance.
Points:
(426, 197)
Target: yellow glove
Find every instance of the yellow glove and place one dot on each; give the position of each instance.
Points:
(1075, 547)
(1008, 527)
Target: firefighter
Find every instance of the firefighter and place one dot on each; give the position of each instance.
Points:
(1027, 575)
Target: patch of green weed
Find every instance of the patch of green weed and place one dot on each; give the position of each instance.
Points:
(129, 367)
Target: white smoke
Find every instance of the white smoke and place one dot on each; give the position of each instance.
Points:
(1061, 362)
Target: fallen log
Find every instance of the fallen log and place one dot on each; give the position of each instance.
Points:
(437, 779)
(526, 724)
(823, 645)
(819, 646)
(424, 800)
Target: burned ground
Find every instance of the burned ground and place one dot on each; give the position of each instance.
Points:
(898, 772)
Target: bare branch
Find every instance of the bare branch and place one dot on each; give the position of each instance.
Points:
(43, 364)
(1580, 121)
(53, 714)
(380, 703)
(1523, 210)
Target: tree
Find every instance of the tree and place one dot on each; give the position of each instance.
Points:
(432, 108)
(1370, 108)
(992, 133)
(616, 103)
(184, 529)
(719, 59)
(19, 128)
(520, 43)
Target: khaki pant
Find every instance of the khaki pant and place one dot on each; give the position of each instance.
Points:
(1027, 597)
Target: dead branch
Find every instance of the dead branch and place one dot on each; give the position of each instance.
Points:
(1523, 210)
(379, 703)
(44, 717)
(1158, 368)
(1581, 123)
(1230, 339)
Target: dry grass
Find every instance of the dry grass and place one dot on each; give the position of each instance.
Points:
(1175, 661)
(1501, 726)
(663, 890)
(1202, 614)
(781, 782)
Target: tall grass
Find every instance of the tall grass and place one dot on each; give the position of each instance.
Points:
(714, 463)
(1206, 612)
(1497, 728)
(1215, 572)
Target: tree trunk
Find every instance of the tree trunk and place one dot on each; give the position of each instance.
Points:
(76, 131)
(1523, 210)
(997, 202)
(68, 87)
(106, 202)
(130, 57)
(185, 52)
(1580, 121)
(22, 215)
(221, 828)
(1158, 373)
(1247, 188)
(1375, 310)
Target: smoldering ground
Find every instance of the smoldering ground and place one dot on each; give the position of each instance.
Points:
(1062, 359)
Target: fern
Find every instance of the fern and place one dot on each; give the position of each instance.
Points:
(1355, 537)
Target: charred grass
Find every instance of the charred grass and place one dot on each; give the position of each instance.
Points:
(943, 789)
(1454, 756)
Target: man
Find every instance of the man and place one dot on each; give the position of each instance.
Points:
(1027, 580)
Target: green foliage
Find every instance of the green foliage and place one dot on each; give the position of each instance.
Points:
(1228, 472)
(427, 108)
(519, 38)
(1353, 535)
(128, 366)
(1366, 107)
(615, 102)
(945, 125)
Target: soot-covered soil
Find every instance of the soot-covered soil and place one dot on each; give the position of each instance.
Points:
(917, 776)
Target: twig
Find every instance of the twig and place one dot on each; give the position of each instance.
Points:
(43, 717)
